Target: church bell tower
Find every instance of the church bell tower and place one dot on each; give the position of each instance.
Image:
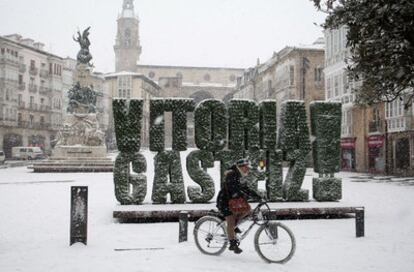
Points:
(127, 46)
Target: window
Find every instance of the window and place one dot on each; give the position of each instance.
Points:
(31, 120)
(269, 85)
(292, 75)
(127, 41)
(318, 74)
(207, 77)
(329, 88)
(7, 95)
(336, 85)
(19, 99)
(375, 114)
(32, 64)
(20, 79)
(340, 39)
(395, 114)
(345, 82)
(50, 68)
(125, 86)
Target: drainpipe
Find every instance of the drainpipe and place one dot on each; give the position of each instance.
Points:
(387, 167)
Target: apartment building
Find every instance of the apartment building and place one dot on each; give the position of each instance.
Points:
(30, 94)
(376, 139)
(292, 73)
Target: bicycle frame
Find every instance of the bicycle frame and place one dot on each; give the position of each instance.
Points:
(256, 211)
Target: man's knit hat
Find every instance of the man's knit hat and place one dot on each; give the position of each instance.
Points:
(242, 162)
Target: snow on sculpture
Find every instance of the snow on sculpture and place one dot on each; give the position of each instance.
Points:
(243, 124)
(326, 128)
(293, 140)
(248, 129)
(205, 191)
(211, 125)
(128, 119)
(168, 178)
(130, 188)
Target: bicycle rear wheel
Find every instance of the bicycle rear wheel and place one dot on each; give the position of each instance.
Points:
(210, 235)
(275, 242)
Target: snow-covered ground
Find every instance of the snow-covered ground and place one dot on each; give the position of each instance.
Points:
(34, 230)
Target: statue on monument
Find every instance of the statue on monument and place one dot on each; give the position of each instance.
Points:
(81, 126)
(84, 56)
(82, 99)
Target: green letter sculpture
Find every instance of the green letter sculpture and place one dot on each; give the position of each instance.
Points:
(326, 128)
(168, 178)
(294, 142)
(200, 176)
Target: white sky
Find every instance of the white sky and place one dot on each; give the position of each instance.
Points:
(220, 33)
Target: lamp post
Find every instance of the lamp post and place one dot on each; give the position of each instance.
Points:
(387, 168)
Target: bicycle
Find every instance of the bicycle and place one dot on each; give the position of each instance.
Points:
(273, 241)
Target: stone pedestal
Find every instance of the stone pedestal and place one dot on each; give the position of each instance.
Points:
(79, 152)
(80, 148)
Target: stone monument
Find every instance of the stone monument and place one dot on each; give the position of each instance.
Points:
(80, 145)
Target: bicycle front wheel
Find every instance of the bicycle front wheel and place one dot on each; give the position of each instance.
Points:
(275, 242)
(210, 235)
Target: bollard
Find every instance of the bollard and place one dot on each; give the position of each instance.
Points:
(78, 214)
(359, 222)
(183, 226)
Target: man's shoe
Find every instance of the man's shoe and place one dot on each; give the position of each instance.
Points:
(234, 246)
(237, 230)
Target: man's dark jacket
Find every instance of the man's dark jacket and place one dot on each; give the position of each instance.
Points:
(232, 188)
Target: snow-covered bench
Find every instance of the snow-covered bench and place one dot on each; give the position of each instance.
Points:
(150, 216)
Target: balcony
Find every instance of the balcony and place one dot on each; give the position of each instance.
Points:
(33, 106)
(32, 88)
(44, 73)
(4, 59)
(400, 123)
(22, 86)
(44, 90)
(22, 68)
(375, 126)
(44, 107)
(7, 123)
(33, 125)
(21, 105)
(7, 82)
(33, 70)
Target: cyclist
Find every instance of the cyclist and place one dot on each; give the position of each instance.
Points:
(233, 189)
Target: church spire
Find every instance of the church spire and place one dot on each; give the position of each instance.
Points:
(128, 9)
(128, 4)
(127, 45)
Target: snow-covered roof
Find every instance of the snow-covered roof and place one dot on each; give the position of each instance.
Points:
(123, 73)
(204, 84)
